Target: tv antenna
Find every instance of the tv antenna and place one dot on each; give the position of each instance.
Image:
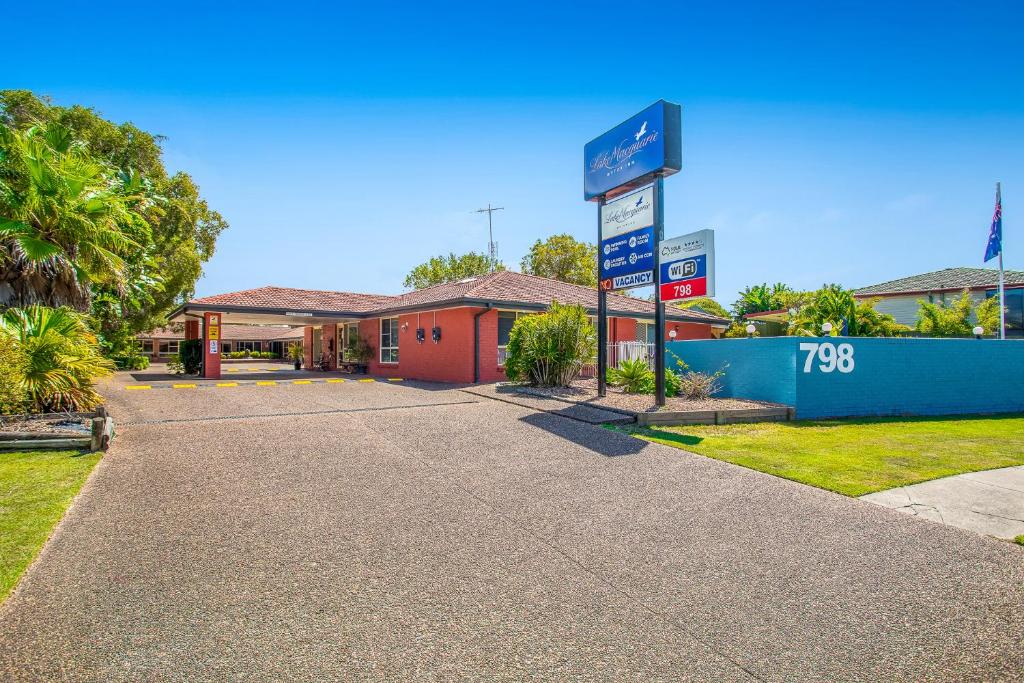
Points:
(492, 247)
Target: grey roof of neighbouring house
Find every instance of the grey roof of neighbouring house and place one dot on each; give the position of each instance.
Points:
(947, 279)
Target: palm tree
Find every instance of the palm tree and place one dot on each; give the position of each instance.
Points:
(62, 357)
(758, 298)
(67, 221)
(836, 305)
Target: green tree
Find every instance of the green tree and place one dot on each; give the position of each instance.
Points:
(561, 257)
(760, 298)
(67, 221)
(182, 228)
(62, 358)
(953, 319)
(12, 376)
(706, 304)
(835, 305)
(550, 349)
(451, 268)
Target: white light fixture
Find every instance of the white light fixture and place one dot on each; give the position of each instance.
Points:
(826, 328)
(672, 333)
(750, 330)
(978, 331)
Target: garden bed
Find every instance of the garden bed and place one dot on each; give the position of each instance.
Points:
(91, 431)
(677, 410)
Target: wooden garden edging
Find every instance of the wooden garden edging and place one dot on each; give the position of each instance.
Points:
(102, 431)
(715, 417)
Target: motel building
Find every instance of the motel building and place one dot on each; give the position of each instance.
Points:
(454, 332)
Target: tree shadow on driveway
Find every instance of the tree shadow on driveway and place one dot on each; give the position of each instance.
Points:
(593, 437)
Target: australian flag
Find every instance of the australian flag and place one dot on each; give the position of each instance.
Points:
(995, 235)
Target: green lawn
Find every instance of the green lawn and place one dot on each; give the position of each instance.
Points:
(35, 489)
(856, 457)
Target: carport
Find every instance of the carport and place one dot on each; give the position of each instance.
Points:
(203, 318)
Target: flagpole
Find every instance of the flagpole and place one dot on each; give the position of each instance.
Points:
(1002, 292)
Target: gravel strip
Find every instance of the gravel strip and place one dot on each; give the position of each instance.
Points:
(585, 391)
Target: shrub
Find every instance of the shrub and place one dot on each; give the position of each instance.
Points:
(295, 352)
(953, 318)
(62, 357)
(190, 353)
(550, 349)
(174, 364)
(131, 361)
(673, 383)
(12, 377)
(694, 385)
(699, 385)
(634, 376)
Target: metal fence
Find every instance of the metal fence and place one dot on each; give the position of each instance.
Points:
(622, 351)
(617, 352)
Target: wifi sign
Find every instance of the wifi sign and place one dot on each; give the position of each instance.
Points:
(684, 279)
(682, 269)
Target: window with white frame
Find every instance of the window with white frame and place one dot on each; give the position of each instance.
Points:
(168, 347)
(389, 340)
(147, 346)
(225, 347)
(506, 319)
(249, 346)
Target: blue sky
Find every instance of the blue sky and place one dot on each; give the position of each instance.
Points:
(854, 143)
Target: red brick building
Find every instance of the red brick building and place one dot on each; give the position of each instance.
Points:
(470, 319)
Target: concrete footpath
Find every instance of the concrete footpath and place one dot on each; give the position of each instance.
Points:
(406, 531)
(989, 502)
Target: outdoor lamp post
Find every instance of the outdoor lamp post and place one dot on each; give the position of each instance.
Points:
(826, 329)
(978, 331)
(750, 331)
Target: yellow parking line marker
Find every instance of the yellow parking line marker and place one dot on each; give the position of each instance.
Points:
(184, 386)
(232, 369)
(335, 381)
(266, 384)
(136, 387)
(227, 384)
(366, 380)
(394, 379)
(302, 381)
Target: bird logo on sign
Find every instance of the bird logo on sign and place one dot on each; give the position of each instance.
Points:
(643, 129)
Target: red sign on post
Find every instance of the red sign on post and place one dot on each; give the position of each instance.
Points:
(672, 291)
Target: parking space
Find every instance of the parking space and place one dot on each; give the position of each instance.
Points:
(149, 397)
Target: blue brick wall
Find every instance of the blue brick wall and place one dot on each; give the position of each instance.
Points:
(909, 376)
(761, 369)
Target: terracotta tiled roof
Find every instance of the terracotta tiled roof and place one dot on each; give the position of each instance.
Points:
(502, 288)
(944, 280)
(297, 300)
(512, 288)
(234, 333)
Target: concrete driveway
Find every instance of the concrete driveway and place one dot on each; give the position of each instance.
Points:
(379, 531)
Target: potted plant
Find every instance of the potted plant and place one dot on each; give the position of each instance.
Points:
(295, 353)
(361, 353)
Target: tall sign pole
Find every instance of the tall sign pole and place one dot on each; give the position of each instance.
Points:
(624, 171)
(602, 317)
(659, 307)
